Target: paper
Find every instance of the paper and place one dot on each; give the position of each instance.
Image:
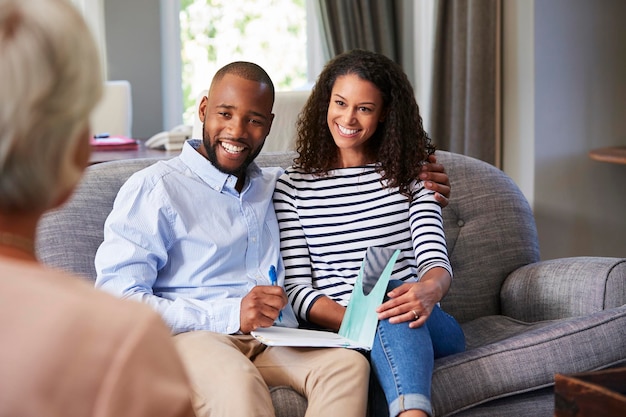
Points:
(359, 324)
(287, 336)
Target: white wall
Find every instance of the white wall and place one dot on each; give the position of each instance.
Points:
(573, 101)
(133, 37)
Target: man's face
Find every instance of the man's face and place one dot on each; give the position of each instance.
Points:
(237, 116)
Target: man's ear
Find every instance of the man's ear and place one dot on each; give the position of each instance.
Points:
(202, 108)
(269, 124)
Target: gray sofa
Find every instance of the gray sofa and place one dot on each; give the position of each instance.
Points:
(525, 320)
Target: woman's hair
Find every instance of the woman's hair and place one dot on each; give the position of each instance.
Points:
(51, 80)
(400, 145)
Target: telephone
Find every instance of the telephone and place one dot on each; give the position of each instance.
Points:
(170, 140)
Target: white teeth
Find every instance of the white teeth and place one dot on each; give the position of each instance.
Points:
(232, 148)
(347, 131)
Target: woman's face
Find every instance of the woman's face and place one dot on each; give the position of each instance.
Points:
(354, 111)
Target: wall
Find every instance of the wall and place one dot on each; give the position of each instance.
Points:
(133, 36)
(580, 104)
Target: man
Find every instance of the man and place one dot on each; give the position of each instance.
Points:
(196, 236)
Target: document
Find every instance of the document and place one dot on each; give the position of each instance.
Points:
(288, 336)
(360, 321)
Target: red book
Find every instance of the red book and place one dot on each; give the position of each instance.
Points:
(105, 143)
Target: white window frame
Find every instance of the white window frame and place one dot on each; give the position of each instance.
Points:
(93, 12)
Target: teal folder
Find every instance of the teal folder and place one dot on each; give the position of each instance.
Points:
(361, 320)
(359, 324)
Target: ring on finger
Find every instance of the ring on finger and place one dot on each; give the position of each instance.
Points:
(417, 316)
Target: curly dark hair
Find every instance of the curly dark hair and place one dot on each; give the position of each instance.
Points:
(400, 145)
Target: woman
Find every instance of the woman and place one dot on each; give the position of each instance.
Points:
(67, 349)
(356, 184)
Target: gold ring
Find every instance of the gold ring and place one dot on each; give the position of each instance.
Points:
(415, 314)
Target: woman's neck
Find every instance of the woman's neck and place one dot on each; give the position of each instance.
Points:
(17, 236)
(17, 246)
(350, 160)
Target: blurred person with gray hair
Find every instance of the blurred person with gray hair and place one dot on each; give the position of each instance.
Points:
(67, 349)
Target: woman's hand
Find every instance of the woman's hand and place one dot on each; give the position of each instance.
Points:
(414, 301)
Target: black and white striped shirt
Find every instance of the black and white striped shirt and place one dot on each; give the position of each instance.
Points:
(327, 223)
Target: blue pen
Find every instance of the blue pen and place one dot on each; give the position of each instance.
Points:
(274, 281)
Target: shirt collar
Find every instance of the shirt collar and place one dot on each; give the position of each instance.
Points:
(215, 178)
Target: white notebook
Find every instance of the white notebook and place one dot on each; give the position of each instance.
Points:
(288, 336)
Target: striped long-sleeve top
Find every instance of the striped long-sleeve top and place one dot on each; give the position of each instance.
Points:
(328, 222)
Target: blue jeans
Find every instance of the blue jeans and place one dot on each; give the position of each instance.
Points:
(402, 359)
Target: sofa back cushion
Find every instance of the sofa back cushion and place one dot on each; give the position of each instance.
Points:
(67, 238)
(490, 232)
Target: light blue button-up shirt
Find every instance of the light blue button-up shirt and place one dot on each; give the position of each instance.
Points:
(183, 240)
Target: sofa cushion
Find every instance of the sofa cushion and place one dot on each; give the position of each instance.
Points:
(490, 232)
(291, 404)
(524, 357)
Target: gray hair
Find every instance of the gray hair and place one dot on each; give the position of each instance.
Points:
(51, 80)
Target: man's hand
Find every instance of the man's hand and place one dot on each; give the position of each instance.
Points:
(436, 179)
(260, 307)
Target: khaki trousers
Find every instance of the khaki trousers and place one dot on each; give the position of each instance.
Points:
(230, 375)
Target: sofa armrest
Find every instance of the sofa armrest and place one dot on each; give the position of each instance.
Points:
(565, 287)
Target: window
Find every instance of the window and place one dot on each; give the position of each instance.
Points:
(93, 13)
(271, 33)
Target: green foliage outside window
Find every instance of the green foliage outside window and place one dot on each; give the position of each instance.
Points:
(271, 33)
